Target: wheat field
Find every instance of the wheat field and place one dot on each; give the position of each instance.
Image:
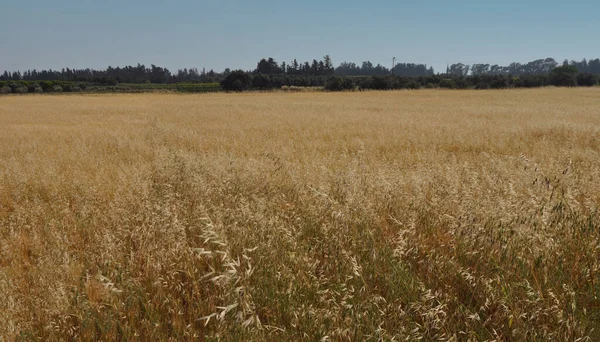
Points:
(374, 216)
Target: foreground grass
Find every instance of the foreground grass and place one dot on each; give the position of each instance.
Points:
(439, 215)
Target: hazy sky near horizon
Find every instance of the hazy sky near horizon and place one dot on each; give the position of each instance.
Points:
(215, 34)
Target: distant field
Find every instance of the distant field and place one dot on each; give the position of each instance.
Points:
(456, 215)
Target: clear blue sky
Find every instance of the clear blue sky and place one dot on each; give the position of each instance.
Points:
(237, 33)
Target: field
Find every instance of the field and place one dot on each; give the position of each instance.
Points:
(433, 214)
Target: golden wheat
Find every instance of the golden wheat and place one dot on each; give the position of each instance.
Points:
(441, 215)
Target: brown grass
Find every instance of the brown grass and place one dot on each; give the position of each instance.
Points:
(442, 215)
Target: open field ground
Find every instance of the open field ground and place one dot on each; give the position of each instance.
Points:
(456, 215)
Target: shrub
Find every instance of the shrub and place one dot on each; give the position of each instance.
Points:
(47, 85)
(18, 88)
(564, 76)
(380, 83)
(35, 88)
(238, 80)
(5, 90)
(447, 83)
(532, 81)
(463, 83)
(57, 89)
(412, 84)
(261, 82)
(587, 80)
(336, 83)
(365, 83)
(482, 86)
(348, 84)
(500, 82)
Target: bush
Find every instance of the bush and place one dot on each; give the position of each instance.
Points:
(587, 80)
(262, 82)
(5, 90)
(71, 88)
(18, 88)
(447, 83)
(336, 83)
(47, 85)
(463, 83)
(500, 82)
(238, 80)
(57, 89)
(365, 83)
(564, 76)
(413, 85)
(532, 81)
(35, 88)
(381, 83)
(482, 85)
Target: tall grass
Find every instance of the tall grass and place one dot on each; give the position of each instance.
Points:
(437, 215)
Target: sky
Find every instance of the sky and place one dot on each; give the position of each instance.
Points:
(236, 34)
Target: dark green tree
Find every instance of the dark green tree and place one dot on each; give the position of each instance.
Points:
(564, 76)
(237, 80)
(587, 80)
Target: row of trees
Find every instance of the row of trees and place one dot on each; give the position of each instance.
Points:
(367, 69)
(564, 76)
(268, 66)
(239, 80)
(113, 76)
(537, 67)
(325, 67)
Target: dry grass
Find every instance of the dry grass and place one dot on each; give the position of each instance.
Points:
(442, 215)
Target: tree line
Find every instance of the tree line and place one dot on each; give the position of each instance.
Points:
(537, 67)
(269, 74)
(112, 76)
(268, 66)
(562, 76)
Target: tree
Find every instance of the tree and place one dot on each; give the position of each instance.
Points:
(448, 83)
(587, 80)
(18, 88)
(263, 67)
(261, 81)
(159, 74)
(459, 69)
(336, 83)
(314, 68)
(564, 76)
(480, 69)
(237, 80)
(381, 83)
(328, 65)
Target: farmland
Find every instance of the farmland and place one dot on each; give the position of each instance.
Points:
(433, 214)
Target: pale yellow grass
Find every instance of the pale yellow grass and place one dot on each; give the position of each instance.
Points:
(443, 215)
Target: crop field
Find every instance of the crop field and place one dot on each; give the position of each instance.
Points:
(404, 215)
